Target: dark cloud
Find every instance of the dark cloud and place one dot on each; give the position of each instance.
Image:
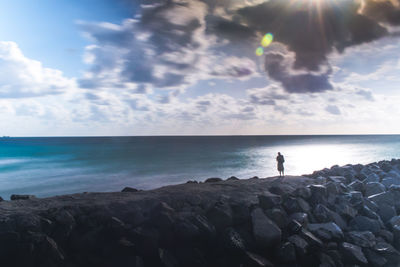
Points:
(383, 11)
(366, 94)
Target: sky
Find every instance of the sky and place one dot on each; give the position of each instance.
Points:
(199, 67)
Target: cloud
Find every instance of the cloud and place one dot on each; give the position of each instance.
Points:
(23, 77)
(332, 109)
(366, 94)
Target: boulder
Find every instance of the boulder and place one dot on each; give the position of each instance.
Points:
(372, 178)
(303, 192)
(346, 211)
(326, 231)
(265, 231)
(287, 253)
(22, 197)
(300, 245)
(396, 236)
(213, 180)
(357, 186)
(311, 239)
(233, 242)
(322, 213)
(129, 189)
(365, 239)
(362, 223)
(255, 260)
(383, 198)
(294, 227)
(301, 217)
(374, 188)
(337, 179)
(352, 254)
(374, 259)
(386, 235)
(279, 217)
(232, 178)
(293, 205)
(388, 181)
(318, 194)
(220, 215)
(394, 221)
(387, 251)
(386, 212)
(206, 229)
(269, 201)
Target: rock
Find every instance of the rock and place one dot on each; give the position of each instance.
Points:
(255, 260)
(293, 205)
(311, 238)
(326, 260)
(233, 242)
(213, 180)
(22, 197)
(206, 229)
(372, 178)
(265, 231)
(365, 211)
(300, 217)
(383, 198)
(394, 221)
(279, 217)
(232, 178)
(300, 245)
(346, 211)
(371, 205)
(374, 188)
(365, 239)
(386, 212)
(269, 201)
(287, 253)
(387, 251)
(357, 186)
(388, 181)
(294, 227)
(240, 213)
(356, 198)
(129, 189)
(352, 254)
(362, 223)
(386, 235)
(162, 215)
(337, 179)
(220, 215)
(322, 213)
(167, 259)
(326, 231)
(190, 182)
(374, 259)
(318, 194)
(303, 192)
(396, 237)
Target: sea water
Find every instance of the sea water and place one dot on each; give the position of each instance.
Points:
(60, 165)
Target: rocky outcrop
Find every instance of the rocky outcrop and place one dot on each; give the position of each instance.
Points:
(342, 216)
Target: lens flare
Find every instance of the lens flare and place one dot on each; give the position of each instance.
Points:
(260, 51)
(267, 39)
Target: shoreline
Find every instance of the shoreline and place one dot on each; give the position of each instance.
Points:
(334, 217)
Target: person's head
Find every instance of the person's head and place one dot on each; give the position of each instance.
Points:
(279, 153)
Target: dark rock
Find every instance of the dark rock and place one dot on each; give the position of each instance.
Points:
(357, 186)
(336, 218)
(232, 178)
(294, 227)
(388, 251)
(240, 213)
(192, 182)
(386, 212)
(388, 181)
(311, 238)
(396, 237)
(265, 231)
(167, 259)
(362, 223)
(129, 189)
(220, 215)
(346, 211)
(386, 235)
(318, 194)
(233, 242)
(326, 231)
(372, 178)
(287, 253)
(300, 217)
(293, 205)
(374, 188)
(213, 180)
(326, 260)
(322, 213)
(300, 245)
(337, 179)
(162, 216)
(303, 192)
(352, 254)
(186, 231)
(22, 197)
(371, 205)
(364, 239)
(207, 230)
(255, 260)
(279, 217)
(383, 198)
(269, 201)
(394, 221)
(365, 211)
(374, 259)
(277, 190)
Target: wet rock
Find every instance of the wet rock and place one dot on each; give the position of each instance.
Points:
(371, 205)
(265, 231)
(362, 223)
(352, 254)
(300, 245)
(311, 238)
(293, 205)
(130, 189)
(357, 186)
(303, 192)
(167, 259)
(301, 217)
(386, 235)
(388, 251)
(394, 221)
(383, 198)
(326, 231)
(374, 259)
(269, 201)
(346, 211)
(365, 239)
(206, 229)
(337, 179)
(240, 213)
(386, 212)
(213, 180)
(374, 188)
(255, 260)
(326, 260)
(318, 194)
(294, 227)
(396, 237)
(322, 213)
(22, 197)
(287, 253)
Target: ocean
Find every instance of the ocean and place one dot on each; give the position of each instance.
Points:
(48, 166)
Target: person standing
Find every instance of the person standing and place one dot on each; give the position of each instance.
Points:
(280, 159)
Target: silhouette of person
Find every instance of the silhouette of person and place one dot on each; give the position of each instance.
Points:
(280, 159)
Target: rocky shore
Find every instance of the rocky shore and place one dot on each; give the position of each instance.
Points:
(342, 216)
